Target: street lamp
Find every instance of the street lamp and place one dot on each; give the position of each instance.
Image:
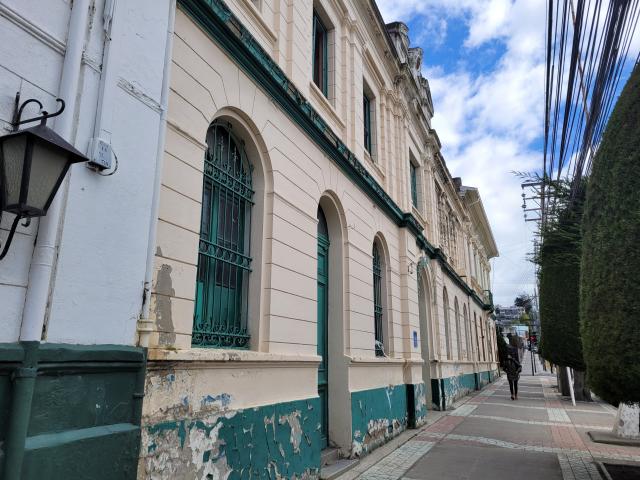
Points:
(33, 163)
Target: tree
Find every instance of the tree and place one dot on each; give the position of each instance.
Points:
(559, 277)
(524, 300)
(524, 319)
(610, 290)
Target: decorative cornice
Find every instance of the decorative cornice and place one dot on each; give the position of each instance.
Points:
(34, 30)
(219, 23)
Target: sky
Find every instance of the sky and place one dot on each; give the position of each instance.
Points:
(484, 60)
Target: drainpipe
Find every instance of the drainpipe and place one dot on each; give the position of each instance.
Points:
(45, 251)
(23, 381)
(145, 326)
(43, 259)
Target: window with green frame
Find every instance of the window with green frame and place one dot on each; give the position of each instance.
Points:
(378, 310)
(368, 127)
(224, 259)
(414, 184)
(320, 55)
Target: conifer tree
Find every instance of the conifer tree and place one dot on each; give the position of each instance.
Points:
(610, 287)
(559, 275)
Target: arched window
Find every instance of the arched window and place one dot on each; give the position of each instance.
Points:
(458, 331)
(378, 309)
(224, 259)
(475, 326)
(467, 332)
(484, 339)
(447, 332)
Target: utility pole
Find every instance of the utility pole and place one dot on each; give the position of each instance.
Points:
(532, 334)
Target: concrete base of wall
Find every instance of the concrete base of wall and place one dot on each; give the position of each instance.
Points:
(70, 411)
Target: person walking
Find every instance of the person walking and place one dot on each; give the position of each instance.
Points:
(513, 368)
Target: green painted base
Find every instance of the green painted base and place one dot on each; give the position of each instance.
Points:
(416, 405)
(273, 441)
(377, 415)
(445, 391)
(70, 411)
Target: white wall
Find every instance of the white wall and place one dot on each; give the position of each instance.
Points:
(97, 289)
(40, 29)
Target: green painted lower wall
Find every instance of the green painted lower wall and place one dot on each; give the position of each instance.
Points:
(266, 442)
(377, 415)
(485, 378)
(445, 391)
(416, 405)
(70, 411)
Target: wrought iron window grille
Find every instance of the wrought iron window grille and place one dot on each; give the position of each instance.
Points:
(224, 259)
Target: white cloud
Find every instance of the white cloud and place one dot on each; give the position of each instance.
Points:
(487, 122)
(488, 21)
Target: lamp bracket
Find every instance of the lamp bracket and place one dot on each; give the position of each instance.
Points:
(7, 242)
(18, 108)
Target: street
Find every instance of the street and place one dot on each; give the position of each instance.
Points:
(489, 436)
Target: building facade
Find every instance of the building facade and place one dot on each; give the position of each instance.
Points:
(338, 273)
(281, 264)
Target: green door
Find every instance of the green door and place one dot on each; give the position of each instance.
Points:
(323, 369)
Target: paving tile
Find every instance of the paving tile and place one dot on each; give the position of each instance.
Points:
(455, 461)
(517, 433)
(512, 410)
(488, 436)
(558, 415)
(394, 465)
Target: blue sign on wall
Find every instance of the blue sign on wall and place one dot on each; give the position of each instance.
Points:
(415, 339)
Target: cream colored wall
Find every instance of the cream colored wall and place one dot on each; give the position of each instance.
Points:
(296, 177)
(473, 360)
(204, 84)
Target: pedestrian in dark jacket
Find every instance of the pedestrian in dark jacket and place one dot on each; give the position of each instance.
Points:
(513, 368)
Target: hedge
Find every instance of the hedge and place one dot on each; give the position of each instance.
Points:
(610, 283)
(559, 276)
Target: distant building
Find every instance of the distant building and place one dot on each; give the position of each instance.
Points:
(507, 316)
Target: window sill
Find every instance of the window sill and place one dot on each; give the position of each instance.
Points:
(457, 362)
(233, 358)
(418, 214)
(374, 164)
(325, 104)
(256, 16)
(366, 361)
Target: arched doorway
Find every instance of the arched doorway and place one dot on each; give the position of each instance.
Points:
(323, 326)
(424, 311)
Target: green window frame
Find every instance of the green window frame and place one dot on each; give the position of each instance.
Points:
(320, 55)
(378, 311)
(366, 109)
(224, 259)
(414, 184)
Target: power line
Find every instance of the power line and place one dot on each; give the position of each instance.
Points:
(587, 46)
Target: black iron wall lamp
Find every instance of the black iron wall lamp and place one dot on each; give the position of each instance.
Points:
(33, 163)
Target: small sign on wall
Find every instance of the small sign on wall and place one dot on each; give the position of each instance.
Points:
(415, 339)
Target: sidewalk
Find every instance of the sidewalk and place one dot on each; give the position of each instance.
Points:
(489, 436)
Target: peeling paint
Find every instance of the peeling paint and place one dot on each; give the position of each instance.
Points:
(447, 390)
(377, 416)
(293, 419)
(216, 442)
(220, 401)
(420, 404)
(162, 304)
